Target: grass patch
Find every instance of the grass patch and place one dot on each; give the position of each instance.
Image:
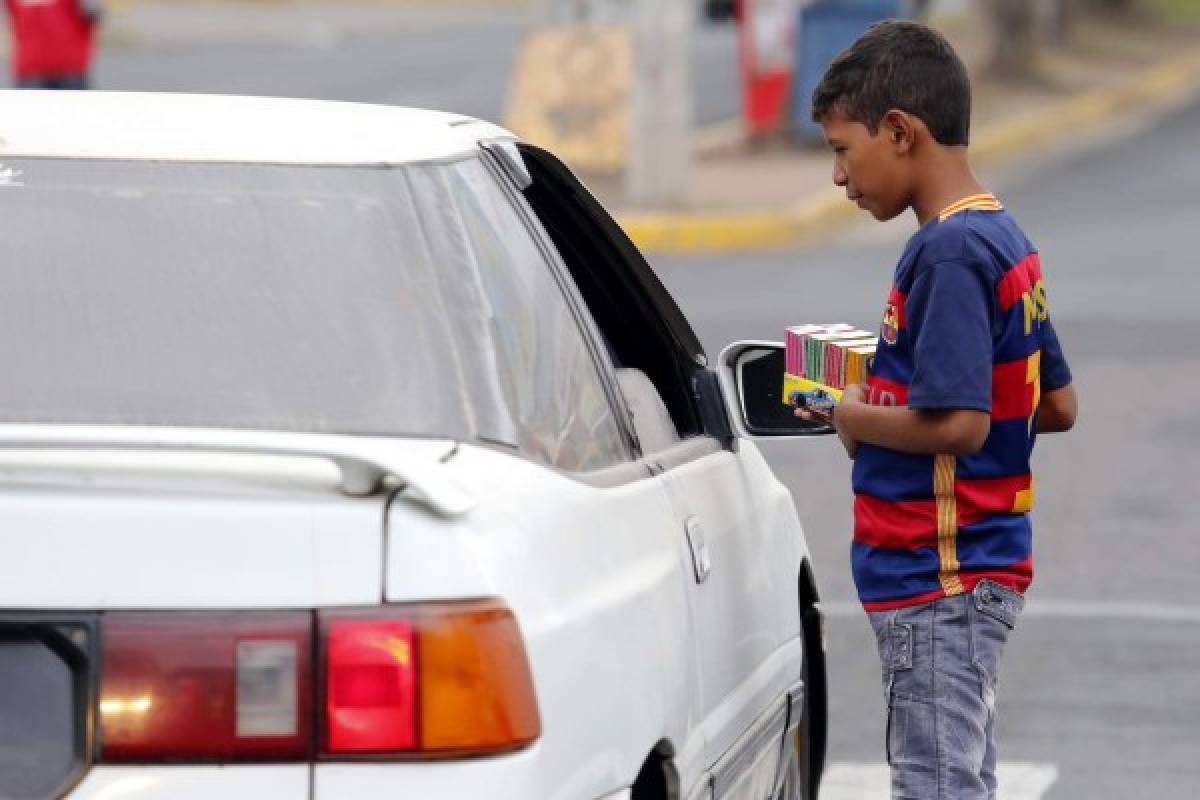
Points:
(1179, 12)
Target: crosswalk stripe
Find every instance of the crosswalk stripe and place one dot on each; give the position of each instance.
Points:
(1017, 781)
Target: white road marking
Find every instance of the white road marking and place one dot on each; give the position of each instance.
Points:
(1071, 609)
(1017, 781)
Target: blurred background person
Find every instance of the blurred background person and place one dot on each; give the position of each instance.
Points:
(52, 42)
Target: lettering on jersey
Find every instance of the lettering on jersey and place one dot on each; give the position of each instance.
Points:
(1037, 309)
(881, 397)
(1033, 377)
(890, 330)
(883, 392)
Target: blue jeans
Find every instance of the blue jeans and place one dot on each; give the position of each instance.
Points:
(940, 663)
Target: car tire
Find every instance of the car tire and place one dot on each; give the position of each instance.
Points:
(806, 762)
(801, 769)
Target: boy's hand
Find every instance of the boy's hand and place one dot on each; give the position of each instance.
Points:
(850, 395)
(854, 394)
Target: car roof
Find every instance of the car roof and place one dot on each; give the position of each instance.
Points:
(231, 129)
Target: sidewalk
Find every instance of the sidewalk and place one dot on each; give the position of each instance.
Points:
(774, 194)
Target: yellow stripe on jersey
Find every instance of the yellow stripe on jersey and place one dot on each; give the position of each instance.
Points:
(1024, 499)
(1033, 376)
(947, 524)
(976, 202)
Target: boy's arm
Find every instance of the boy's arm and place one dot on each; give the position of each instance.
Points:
(955, 431)
(1059, 405)
(1058, 409)
(948, 317)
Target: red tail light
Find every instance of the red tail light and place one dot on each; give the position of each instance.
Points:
(206, 686)
(413, 681)
(370, 686)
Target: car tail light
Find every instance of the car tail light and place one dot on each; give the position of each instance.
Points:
(233, 686)
(370, 686)
(432, 679)
(427, 680)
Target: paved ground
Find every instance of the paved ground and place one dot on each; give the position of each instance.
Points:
(1099, 677)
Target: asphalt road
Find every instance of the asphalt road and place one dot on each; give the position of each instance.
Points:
(1099, 677)
(449, 60)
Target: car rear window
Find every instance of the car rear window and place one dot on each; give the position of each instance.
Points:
(358, 300)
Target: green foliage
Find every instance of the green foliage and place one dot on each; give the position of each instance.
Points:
(1179, 11)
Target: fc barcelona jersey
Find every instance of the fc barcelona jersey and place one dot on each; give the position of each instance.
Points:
(966, 326)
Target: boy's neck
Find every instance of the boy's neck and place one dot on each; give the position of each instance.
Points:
(947, 179)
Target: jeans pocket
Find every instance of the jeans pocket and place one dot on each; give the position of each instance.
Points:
(897, 647)
(998, 602)
(896, 651)
(998, 608)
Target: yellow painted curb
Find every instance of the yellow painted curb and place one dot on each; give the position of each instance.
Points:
(773, 229)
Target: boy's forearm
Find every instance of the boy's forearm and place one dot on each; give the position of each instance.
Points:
(1057, 410)
(909, 431)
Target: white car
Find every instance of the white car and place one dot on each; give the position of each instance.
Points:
(354, 452)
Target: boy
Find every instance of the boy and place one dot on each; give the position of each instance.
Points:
(968, 371)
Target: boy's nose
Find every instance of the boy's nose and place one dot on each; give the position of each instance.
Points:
(839, 176)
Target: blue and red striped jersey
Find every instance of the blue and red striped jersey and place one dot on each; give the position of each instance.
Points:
(966, 326)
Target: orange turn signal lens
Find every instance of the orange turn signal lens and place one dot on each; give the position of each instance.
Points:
(426, 680)
(476, 689)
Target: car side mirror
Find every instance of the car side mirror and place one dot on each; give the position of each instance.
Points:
(751, 375)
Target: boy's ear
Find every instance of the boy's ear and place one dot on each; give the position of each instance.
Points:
(901, 129)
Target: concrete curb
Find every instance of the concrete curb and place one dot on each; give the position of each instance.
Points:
(1168, 81)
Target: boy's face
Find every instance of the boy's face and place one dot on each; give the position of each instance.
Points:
(868, 166)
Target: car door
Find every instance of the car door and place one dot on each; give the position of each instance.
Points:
(737, 525)
(741, 531)
(635, 531)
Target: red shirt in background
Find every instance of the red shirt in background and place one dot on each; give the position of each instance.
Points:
(51, 38)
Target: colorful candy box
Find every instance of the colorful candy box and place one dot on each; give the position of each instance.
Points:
(822, 360)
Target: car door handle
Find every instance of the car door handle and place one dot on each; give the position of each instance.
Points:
(701, 561)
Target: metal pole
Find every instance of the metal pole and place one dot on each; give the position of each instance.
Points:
(660, 147)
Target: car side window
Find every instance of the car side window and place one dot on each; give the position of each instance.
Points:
(547, 373)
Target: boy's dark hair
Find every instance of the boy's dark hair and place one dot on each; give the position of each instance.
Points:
(903, 65)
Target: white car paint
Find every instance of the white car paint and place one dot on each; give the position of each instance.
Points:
(216, 128)
(120, 530)
(266, 782)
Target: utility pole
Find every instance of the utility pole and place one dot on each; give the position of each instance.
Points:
(660, 145)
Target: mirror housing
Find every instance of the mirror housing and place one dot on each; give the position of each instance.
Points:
(751, 375)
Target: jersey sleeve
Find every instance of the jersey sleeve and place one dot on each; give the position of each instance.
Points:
(1055, 372)
(950, 311)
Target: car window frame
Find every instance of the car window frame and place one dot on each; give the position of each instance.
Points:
(584, 321)
(690, 448)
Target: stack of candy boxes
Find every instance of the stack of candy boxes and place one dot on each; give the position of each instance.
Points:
(822, 360)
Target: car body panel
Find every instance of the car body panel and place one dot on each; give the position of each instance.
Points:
(597, 578)
(115, 531)
(220, 128)
(751, 622)
(262, 782)
(510, 777)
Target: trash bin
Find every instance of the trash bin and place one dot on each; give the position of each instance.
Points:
(824, 29)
